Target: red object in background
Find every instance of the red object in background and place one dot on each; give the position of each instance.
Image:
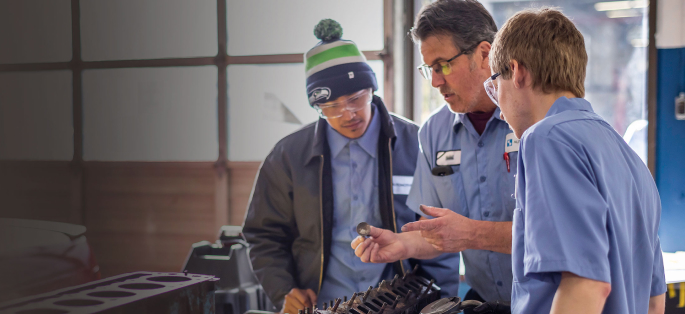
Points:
(41, 256)
(506, 158)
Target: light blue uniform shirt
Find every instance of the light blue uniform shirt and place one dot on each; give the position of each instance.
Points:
(355, 193)
(586, 204)
(481, 188)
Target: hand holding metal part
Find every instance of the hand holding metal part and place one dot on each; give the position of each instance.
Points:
(364, 229)
(378, 245)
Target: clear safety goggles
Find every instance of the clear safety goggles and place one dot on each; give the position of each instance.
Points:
(354, 103)
(491, 88)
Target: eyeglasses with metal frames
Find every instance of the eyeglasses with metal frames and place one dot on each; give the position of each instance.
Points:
(442, 67)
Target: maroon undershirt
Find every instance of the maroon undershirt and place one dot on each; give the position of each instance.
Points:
(479, 120)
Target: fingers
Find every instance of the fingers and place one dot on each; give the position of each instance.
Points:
(362, 247)
(434, 211)
(374, 252)
(298, 299)
(290, 309)
(298, 295)
(291, 305)
(427, 224)
(366, 255)
(422, 225)
(375, 232)
(412, 226)
(311, 295)
(356, 242)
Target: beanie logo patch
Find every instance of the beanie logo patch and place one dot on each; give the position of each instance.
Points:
(319, 93)
(351, 75)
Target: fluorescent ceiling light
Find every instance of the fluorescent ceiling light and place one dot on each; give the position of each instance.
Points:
(621, 5)
(623, 13)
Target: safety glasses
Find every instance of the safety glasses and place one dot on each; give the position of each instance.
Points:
(491, 88)
(354, 103)
(442, 67)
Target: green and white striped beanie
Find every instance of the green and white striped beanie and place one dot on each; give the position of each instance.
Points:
(335, 67)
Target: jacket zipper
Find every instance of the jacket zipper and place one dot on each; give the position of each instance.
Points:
(392, 198)
(321, 209)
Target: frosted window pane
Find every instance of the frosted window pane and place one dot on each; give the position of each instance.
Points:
(266, 103)
(616, 43)
(148, 29)
(263, 27)
(158, 114)
(35, 31)
(377, 67)
(36, 116)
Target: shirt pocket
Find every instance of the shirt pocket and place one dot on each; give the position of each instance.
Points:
(518, 247)
(450, 190)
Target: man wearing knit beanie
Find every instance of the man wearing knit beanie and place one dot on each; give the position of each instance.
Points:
(355, 164)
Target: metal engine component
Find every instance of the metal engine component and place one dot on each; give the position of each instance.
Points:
(139, 292)
(451, 305)
(363, 229)
(407, 294)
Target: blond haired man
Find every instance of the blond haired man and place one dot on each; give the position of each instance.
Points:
(585, 227)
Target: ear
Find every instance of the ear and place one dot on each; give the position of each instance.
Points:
(484, 50)
(519, 74)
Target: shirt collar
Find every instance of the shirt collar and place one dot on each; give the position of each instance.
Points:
(564, 104)
(459, 118)
(368, 141)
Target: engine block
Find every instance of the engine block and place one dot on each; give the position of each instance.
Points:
(139, 292)
(406, 294)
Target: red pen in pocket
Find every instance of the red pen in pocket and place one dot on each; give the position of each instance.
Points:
(506, 158)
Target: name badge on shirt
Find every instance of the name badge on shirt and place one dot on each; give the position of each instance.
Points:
(511, 144)
(449, 158)
(401, 184)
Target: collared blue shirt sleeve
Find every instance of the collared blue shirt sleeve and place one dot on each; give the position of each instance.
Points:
(565, 216)
(588, 205)
(658, 272)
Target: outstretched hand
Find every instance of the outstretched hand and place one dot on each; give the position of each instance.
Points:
(448, 232)
(382, 246)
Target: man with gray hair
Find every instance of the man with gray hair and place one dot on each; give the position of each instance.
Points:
(467, 158)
